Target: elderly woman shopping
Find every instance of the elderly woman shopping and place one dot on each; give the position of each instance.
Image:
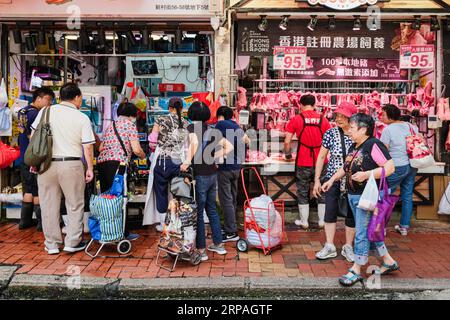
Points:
(367, 155)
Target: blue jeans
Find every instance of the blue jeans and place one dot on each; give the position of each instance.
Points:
(362, 243)
(404, 177)
(206, 191)
(165, 170)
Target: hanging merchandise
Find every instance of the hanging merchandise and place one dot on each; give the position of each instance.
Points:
(8, 155)
(5, 120)
(3, 95)
(444, 205)
(420, 155)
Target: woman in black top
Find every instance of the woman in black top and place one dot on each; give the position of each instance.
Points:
(366, 155)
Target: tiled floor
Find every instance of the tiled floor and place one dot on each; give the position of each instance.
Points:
(420, 255)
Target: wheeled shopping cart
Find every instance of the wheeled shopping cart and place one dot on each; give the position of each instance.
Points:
(108, 217)
(177, 241)
(263, 220)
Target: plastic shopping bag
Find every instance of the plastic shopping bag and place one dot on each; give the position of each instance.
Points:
(369, 198)
(8, 155)
(3, 95)
(444, 205)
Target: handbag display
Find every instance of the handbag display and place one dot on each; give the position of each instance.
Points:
(382, 212)
(343, 205)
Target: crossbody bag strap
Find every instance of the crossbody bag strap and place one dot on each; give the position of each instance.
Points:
(120, 139)
(344, 151)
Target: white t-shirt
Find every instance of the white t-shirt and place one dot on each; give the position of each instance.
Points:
(70, 129)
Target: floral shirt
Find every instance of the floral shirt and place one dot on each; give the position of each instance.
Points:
(171, 139)
(112, 149)
(332, 142)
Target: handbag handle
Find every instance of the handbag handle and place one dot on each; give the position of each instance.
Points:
(383, 184)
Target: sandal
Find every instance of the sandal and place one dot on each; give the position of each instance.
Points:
(348, 281)
(389, 269)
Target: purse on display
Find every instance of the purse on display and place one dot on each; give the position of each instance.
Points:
(343, 205)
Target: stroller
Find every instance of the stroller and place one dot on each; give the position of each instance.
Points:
(108, 216)
(179, 229)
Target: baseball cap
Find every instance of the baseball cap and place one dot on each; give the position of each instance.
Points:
(346, 109)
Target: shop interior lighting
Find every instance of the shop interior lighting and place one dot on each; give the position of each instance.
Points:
(284, 23)
(17, 35)
(313, 23)
(373, 25)
(357, 24)
(417, 23)
(71, 37)
(332, 23)
(434, 23)
(263, 24)
(190, 35)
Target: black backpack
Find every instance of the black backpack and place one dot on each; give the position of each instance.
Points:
(300, 143)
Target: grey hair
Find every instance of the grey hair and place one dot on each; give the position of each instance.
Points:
(363, 120)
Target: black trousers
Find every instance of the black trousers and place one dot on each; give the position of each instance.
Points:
(106, 172)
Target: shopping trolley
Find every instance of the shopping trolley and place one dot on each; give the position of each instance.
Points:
(267, 239)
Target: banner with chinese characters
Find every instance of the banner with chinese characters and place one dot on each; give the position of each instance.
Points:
(360, 69)
(342, 42)
(289, 58)
(417, 57)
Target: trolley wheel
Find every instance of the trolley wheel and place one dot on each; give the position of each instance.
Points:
(124, 247)
(242, 245)
(196, 258)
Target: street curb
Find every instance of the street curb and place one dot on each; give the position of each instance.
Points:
(64, 287)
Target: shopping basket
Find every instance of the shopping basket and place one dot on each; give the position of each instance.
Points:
(261, 229)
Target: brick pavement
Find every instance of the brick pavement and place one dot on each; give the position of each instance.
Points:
(420, 255)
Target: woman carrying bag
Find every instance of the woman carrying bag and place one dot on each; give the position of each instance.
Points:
(120, 141)
(367, 156)
(337, 143)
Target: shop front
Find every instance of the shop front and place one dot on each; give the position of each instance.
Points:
(370, 54)
(143, 51)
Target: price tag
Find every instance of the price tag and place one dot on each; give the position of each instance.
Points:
(417, 57)
(289, 58)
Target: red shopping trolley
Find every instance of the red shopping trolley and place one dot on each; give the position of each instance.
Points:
(263, 224)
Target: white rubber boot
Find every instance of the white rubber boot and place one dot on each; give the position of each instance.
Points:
(86, 222)
(304, 215)
(162, 218)
(321, 213)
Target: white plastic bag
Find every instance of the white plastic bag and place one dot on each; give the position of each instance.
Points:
(3, 94)
(369, 197)
(422, 163)
(444, 205)
(264, 211)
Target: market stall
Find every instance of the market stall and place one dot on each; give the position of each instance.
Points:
(342, 51)
(141, 51)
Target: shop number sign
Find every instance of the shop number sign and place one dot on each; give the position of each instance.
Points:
(417, 57)
(289, 58)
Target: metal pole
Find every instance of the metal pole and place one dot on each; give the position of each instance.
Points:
(66, 58)
(438, 89)
(5, 54)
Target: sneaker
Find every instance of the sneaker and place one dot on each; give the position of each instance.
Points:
(132, 236)
(347, 253)
(220, 249)
(204, 256)
(52, 251)
(328, 251)
(402, 231)
(80, 247)
(228, 237)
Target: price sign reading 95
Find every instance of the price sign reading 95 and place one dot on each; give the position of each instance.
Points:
(289, 58)
(417, 57)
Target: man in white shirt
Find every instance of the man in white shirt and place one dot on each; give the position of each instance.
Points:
(72, 136)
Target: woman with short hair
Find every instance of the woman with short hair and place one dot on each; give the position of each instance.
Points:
(394, 137)
(367, 155)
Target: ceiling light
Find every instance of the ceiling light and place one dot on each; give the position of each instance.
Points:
(332, 23)
(357, 24)
(417, 23)
(284, 23)
(374, 25)
(71, 37)
(435, 25)
(313, 23)
(263, 24)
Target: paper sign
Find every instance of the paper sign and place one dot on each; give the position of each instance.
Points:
(417, 57)
(289, 58)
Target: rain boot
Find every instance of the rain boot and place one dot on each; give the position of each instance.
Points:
(26, 216)
(321, 213)
(304, 215)
(37, 211)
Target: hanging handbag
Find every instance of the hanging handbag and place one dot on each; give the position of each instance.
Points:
(343, 205)
(420, 156)
(382, 213)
